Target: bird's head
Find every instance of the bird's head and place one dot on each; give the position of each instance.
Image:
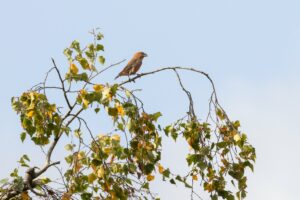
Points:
(140, 54)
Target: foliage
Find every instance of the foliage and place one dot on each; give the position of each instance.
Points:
(121, 164)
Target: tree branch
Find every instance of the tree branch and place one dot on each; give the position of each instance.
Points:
(112, 65)
(188, 93)
(62, 83)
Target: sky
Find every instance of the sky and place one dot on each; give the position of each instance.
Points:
(250, 48)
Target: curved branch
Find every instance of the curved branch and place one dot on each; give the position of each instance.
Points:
(171, 68)
(188, 93)
(45, 168)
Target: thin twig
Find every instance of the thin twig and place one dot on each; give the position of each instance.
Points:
(62, 84)
(112, 65)
(189, 95)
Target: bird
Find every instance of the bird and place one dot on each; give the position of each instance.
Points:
(133, 65)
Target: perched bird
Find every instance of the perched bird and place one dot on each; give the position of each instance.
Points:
(133, 65)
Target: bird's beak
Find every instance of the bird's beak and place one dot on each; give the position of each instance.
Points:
(145, 55)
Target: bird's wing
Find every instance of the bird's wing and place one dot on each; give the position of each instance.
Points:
(130, 66)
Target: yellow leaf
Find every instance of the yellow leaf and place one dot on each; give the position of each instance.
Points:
(77, 167)
(160, 168)
(150, 177)
(128, 94)
(107, 150)
(25, 196)
(77, 133)
(116, 137)
(83, 92)
(101, 172)
(49, 113)
(45, 180)
(106, 93)
(53, 108)
(92, 67)
(226, 139)
(66, 196)
(32, 96)
(220, 114)
(222, 170)
(140, 144)
(149, 147)
(209, 187)
(73, 68)
(91, 178)
(30, 113)
(120, 109)
(195, 177)
(85, 103)
(237, 137)
(98, 87)
(101, 135)
(81, 155)
(113, 195)
(94, 167)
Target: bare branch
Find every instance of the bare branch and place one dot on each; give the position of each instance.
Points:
(112, 65)
(62, 84)
(188, 93)
(45, 168)
(51, 148)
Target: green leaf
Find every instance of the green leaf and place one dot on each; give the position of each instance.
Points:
(69, 147)
(68, 53)
(172, 181)
(222, 144)
(113, 112)
(99, 36)
(230, 197)
(120, 127)
(3, 181)
(178, 178)
(248, 164)
(148, 168)
(69, 159)
(101, 60)
(77, 77)
(77, 133)
(99, 47)
(174, 135)
(76, 46)
(146, 185)
(214, 197)
(220, 114)
(156, 115)
(26, 157)
(187, 185)
(204, 151)
(236, 124)
(86, 196)
(23, 136)
(166, 173)
(45, 180)
(236, 174)
(14, 173)
(97, 110)
(84, 63)
(202, 165)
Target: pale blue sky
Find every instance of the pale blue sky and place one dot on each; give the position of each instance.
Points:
(250, 48)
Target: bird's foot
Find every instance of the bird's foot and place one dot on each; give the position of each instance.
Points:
(130, 80)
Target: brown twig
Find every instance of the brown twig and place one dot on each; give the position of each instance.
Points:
(62, 84)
